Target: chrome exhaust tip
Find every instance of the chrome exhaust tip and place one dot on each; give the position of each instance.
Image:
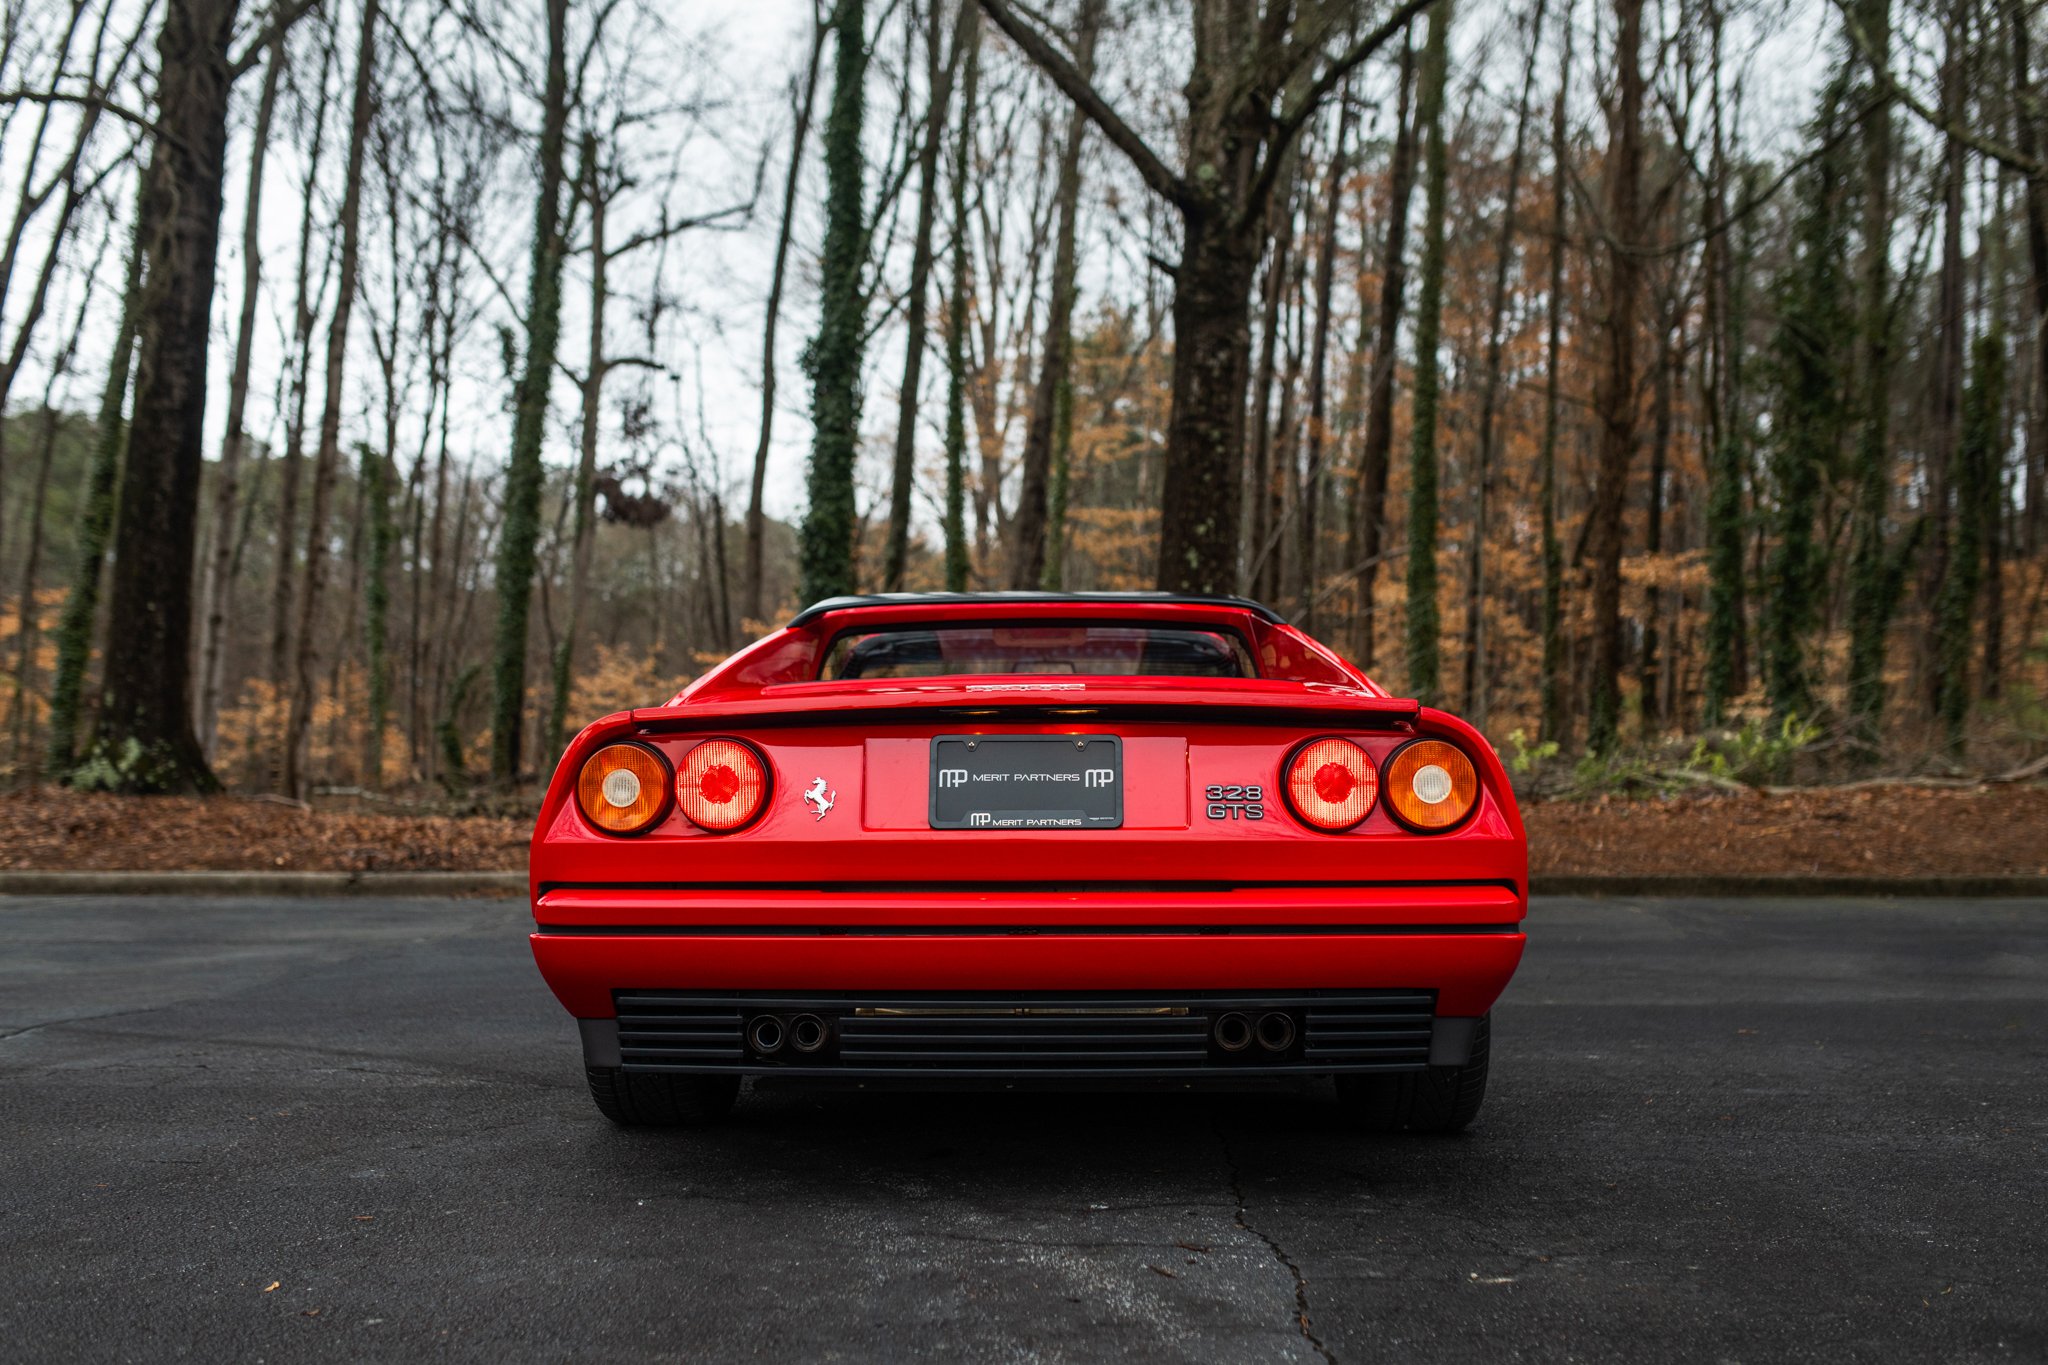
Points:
(807, 1033)
(766, 1034)
(1233, 1033)
(1276, 1031)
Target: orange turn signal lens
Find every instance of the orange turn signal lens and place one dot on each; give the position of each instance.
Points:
(1431, 785)
(624, 788)
(722, 786)
(1331, 784)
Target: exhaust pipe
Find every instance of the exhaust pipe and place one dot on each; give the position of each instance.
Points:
(807, 1033)
(1233, 1033)
(765, 1034)
(1276, 1031)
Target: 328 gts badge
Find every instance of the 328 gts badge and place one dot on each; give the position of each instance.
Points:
(1236, 803)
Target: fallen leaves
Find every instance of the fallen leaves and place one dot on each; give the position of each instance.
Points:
(55, 830)
(1872, 831)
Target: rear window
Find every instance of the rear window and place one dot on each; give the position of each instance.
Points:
(1081, 650)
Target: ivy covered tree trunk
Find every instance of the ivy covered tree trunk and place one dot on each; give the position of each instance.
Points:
(1727, 667)
(95, 524)
(957, 566)
(375, 474)
(1976, 472)
(519, 536)
(834, 359)
(1807, 416)
(1424, 623)
(144, 740)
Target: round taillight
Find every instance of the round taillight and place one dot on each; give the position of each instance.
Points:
(722, 785)
(1331, 784)
(1431, 785)
(624, 788)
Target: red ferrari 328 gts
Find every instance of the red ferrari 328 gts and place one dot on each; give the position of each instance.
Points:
(1012, 836)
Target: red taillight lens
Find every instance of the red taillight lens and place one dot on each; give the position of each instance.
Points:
(1431, 785)
(722, 785)
(623, 788)
(1331, 784)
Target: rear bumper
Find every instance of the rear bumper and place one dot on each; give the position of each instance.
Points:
(1459, 941)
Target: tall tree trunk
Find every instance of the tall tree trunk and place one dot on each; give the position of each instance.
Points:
(584, 490)
(826, 549)
(1309, 538)
(1553, 722)
(375, 476)
(1424, 674)
(1873, 581)
(1273, 307)
(2027, 116)
(1614, 396)
(144, 740)
(305, 313)
(1028, 532)
(29, 623)
(327, 457)
(752, 605)
(1482, 483)
(1475, 576)
(227, 477)
(28, 611)
(96, 516)
(520, 534)
(1670, 367)
(1368, 513)
(939, 77)
(1950, 326)
(956, 308)
(1975, 504)
(1198, 551)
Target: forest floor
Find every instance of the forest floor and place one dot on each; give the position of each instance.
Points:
(1891, 830)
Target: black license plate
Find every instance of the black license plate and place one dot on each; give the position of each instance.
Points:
(1027, 782)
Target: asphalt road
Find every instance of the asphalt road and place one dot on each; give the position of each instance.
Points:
(239, 1130)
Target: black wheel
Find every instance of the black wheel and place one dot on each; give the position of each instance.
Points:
(661, 1101)
(1441, 1099)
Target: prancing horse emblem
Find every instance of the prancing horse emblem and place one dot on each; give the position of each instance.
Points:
(819, 799)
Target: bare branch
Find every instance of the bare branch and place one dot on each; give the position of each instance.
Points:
(1976, 142)
(283, 17)
(1047, 58)
(88, 101)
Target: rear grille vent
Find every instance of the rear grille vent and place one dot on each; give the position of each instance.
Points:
(1047, 1035)
(671, 1030)
(1391, 1029)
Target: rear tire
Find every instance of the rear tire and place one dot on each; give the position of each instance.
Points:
(1440, 1099)
(656, 1101)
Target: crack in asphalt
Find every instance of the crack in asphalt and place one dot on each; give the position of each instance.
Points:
(1302, 1321)
(10, 1035)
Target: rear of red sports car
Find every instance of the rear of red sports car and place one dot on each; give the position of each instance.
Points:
(1008, 837)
